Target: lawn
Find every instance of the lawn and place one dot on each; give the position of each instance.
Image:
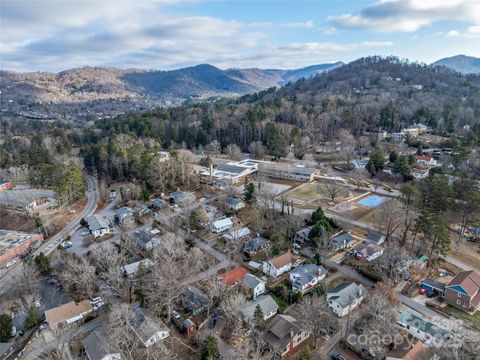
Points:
(473, 320)
(280, 302)
(305, 192)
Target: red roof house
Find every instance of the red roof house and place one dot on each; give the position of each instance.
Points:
(233, 276)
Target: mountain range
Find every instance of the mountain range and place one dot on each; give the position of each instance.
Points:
(462, 63)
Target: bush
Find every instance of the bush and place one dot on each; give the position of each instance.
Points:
(32, 319)
(5, 327)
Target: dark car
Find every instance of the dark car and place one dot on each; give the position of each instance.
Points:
(337, 357)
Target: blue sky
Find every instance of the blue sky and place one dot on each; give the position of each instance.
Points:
(52, 35)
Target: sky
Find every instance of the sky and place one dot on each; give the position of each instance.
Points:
(54, 35)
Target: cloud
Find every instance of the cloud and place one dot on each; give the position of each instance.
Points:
(408, 15)
(474, 29)
(453, 33)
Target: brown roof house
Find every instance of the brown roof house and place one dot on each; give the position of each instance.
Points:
(463, 291)
(409, 349)
(68, 313)
(284, 334)
(280, 264)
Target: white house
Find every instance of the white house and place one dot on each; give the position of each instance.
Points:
(420, 174)
(305, 277)
(279, 265)
(221, 225)
(267, 304)
(254, 284)
(236, 234)
(132, 269)
(149, 329)
(345, 297)
(426, 160)
(367, 251)
(342, 240)
(99, 225)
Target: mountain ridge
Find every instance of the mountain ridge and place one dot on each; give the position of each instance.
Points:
(462, 63)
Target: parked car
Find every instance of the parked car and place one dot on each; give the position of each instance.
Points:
(337, 357)
(98, 305)
(67, 244)
(11, 263)
(95, 300)
(85, 233)
(176, 315)
(37, 304)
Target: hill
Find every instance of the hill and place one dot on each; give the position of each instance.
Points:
(111, 91)
(461, 63)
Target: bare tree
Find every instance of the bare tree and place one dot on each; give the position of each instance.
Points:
(315, 316)
(233, 151)
(257, 149)
(390, 218)
(330, 189)
(77, 275)
(231, 306)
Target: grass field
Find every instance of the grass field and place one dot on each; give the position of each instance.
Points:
(312, 191)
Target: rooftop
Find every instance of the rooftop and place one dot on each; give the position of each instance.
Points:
(67, 311)
(468, 280)
(282, 260)
(279, 329)
(346, 293)
(10, 238)
(97, 222)
(23, 197)
(303, 274)
(266, 302)
(133, 268)
(233, 276)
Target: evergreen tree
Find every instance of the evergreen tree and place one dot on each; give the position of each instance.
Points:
(258, 318)
(393, 156)
(210, 348)
(5, 327)
(43, 263)
(403, 168)
(376, 162)
(32, 319)
(249, 193)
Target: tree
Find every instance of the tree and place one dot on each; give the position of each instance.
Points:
(330, 190)
(258, 318)
(5, 327)
(468, 201)
(210, 348)
(257, 149)
(249, 193)
(403, 168)
(43, 263)
(376, 162)
(315, 316)
(409, 197)
(33, 318)
(393, 156)
(276, 142)
(233, 151)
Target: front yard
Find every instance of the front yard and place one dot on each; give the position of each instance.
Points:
(473, 320)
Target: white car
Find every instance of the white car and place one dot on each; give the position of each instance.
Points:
(95, 300)
(98, 305)
(85, 233)
(11, 263)
(38, 304)
(176, 315)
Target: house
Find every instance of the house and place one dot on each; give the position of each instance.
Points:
(279, 264)
(182, 198)
(375, 238)
(97, 346)
(284, 334)
(142, 210)
(359, 164)
(288, 171)
(235, 204)
(125, 215)
(194, 301)
(254, 284)
(420, 173)
(236, 234)
(367, 251)
(5, 185)
(342, 240)
(68, 313)
(423, 330)
(463, 291)
(221, 225)
(305, 277)
(421, 260)
(302, 234)
(132, 269)
(267, 304)
(99, 225)
(426, 161)
(233, 276)
(432, 286)
(397, 137)
(163, 156)
(345, 297)
(147, 239)
(112, 195)
(149, 329)
(158, 203)
(409, 349)
(255, 245)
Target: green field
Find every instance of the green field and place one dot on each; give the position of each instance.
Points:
(312, 191)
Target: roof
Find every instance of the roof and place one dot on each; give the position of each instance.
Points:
(410, 349)
(251, 281)
(97, 345)
(233, 276)
(367, 249)
(193, 299)
(303, 274)
(266, 302)
(124, 212)
(282, 260)
(346, 293)
(255, 244)
(67, 311)
(424, 158)
(433, 283)
(143, 236)
(97, 222)
(288, 168)
(468, 280)
(234, 202)
(231, 168)
(278, 331)
(303, 233)
(145, 324)
(342, 238)
(417, 322)
(374, 237)
(133, 267)
(237, 233)
(222, 223)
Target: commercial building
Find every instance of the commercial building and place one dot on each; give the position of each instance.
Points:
(288, 171)
(68, 313)
(99, 225)
(16, 243)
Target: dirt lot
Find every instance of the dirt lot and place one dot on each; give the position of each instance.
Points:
(468, 253)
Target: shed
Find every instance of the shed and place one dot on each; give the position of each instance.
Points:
(432, 285)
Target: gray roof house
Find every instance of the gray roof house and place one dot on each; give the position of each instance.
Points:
(98, 347)
(182, 197)
(305, 277)
(375, 238)
(147, 327)
(267, 304)
(193, 300)
(99, 225)
(254, 284)
(132, 269)
(345, 297)
(284, 334)
(235, 204)
(158, 203)
(125, 214)
(146, 239)
(302, 234)
(342, 240)
(255, 245)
